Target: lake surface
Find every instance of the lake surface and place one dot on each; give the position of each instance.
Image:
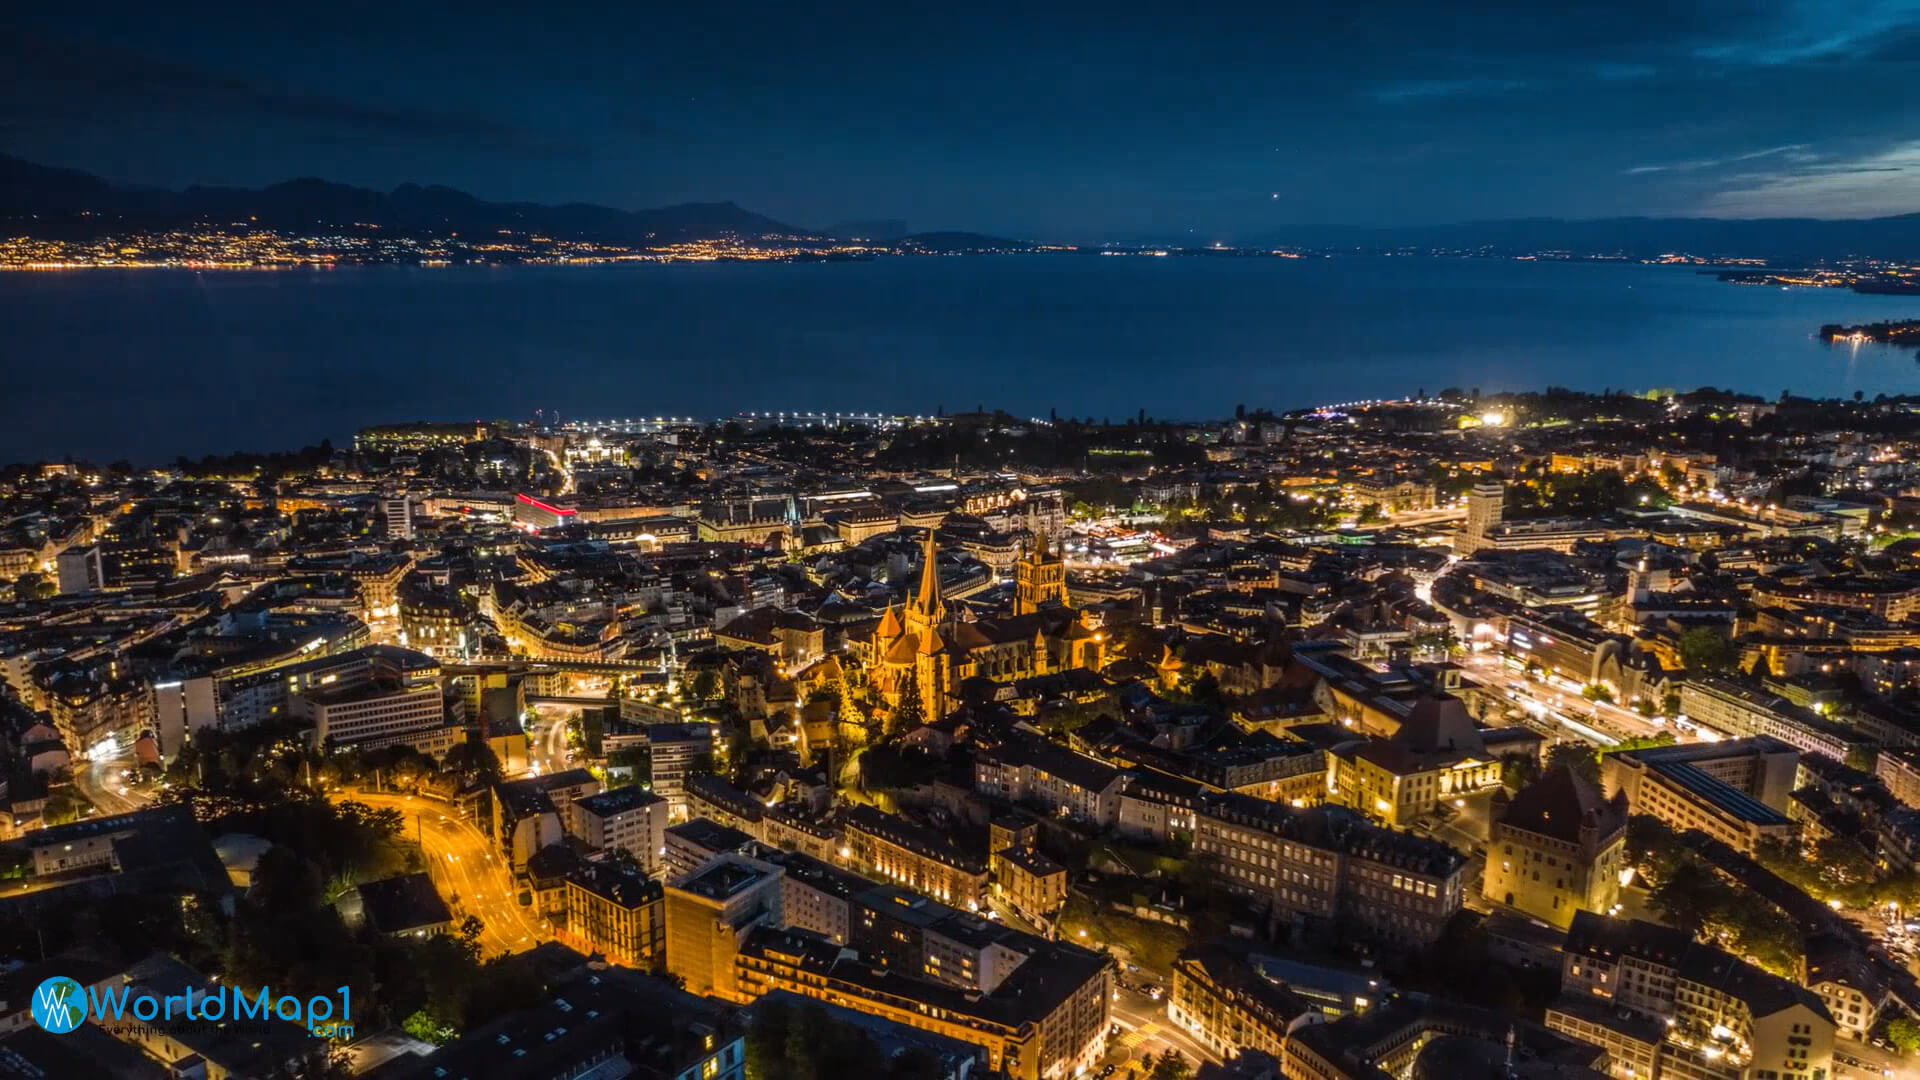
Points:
(151, 364)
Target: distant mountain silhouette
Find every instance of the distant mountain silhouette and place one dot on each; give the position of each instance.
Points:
(1784, 239)
(55, 196)
(961, 241)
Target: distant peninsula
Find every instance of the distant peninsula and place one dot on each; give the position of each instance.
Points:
(1905, 332)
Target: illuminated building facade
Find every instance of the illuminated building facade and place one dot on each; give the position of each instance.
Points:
(1558, 849)
(920, 859)
(928, 649)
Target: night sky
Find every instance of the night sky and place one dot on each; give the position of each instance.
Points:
(1114, 121)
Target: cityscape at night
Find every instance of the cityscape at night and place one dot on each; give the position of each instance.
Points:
(892, 544)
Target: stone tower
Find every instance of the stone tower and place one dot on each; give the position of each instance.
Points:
(1040, 578)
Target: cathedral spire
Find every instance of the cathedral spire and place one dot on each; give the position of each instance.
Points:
(928, 601)
(889, 625)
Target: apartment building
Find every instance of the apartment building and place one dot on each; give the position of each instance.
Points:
(1712, 1015)
(1075, 786)
(1328, 867)
(1047, 1021)
(619, 912)
(630, 819)
(1029, 882)
(890, 847)
(1228, 1006)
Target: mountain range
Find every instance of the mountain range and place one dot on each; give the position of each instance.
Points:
(42, 198)
(67, 196)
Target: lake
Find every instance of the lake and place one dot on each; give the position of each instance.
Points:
(150, 364)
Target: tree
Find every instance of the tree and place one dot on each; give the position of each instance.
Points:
(1170, 1066)
(31, 586)
(910, 713)
(1704, 649)
(1436, 642)
(1654, 848)
(1691, 897)
(474, 761)
(1369, 514)
(706, 684)
(1904, 1034)
(1577, 756)
(1518, 771)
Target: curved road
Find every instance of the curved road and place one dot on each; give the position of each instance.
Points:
(470, 875)
(100, 781)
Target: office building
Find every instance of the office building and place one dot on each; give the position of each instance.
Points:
(1733, 707)
(396, 513)
(376, 714)
(690, 844)
(1734, 791)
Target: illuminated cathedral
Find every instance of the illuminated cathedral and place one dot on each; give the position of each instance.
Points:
(928, 647)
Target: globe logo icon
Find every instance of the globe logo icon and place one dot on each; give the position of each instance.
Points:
(59, 1005)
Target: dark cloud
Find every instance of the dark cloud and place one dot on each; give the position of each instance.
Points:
(59, 81)
(1050, 121)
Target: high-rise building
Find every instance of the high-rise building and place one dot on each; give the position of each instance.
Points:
(397, 510)
(673, 751)
(1486, 505)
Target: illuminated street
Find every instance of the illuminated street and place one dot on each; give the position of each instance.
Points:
(470, 875)
(1535, 696)
(104, 784)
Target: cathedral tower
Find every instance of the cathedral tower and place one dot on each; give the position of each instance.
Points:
(1040, 579)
